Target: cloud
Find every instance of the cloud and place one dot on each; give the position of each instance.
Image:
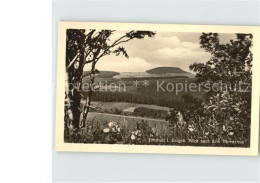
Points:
(186, 51)
(122, 64)
(165, 49)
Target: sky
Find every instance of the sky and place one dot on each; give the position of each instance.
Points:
(166, 49)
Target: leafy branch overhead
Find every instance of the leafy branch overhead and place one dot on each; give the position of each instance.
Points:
(132, 35)
(97, 44)
(230, 62)
(121, 50)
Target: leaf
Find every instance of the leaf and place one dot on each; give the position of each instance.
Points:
(211, 107)
(140, 34)
(121, 50)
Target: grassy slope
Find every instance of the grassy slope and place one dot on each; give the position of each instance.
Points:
(161, 126)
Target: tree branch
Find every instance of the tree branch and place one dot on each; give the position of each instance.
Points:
(117, 42)
(73, 60)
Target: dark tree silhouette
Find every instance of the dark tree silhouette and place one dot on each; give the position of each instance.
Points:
(228, 74)
(230, 63)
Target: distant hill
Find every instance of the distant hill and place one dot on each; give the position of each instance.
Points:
(164, 70)
(156, 73)
(102, 74)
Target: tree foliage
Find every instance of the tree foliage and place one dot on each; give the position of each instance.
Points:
(230, 63)
(228, 74)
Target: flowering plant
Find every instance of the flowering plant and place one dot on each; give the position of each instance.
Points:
(112, 133)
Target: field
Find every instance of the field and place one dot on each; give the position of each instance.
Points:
(117, 129)
(104, 106)
(128, 122)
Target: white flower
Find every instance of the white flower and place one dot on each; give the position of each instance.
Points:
(136, 132)
(224, 128)
(132, 136)
(106, 130)
(230, 133)
(111, 124)
(191, 128)
(206, 133)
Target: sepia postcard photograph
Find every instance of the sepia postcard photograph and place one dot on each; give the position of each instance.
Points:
(157, 88)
